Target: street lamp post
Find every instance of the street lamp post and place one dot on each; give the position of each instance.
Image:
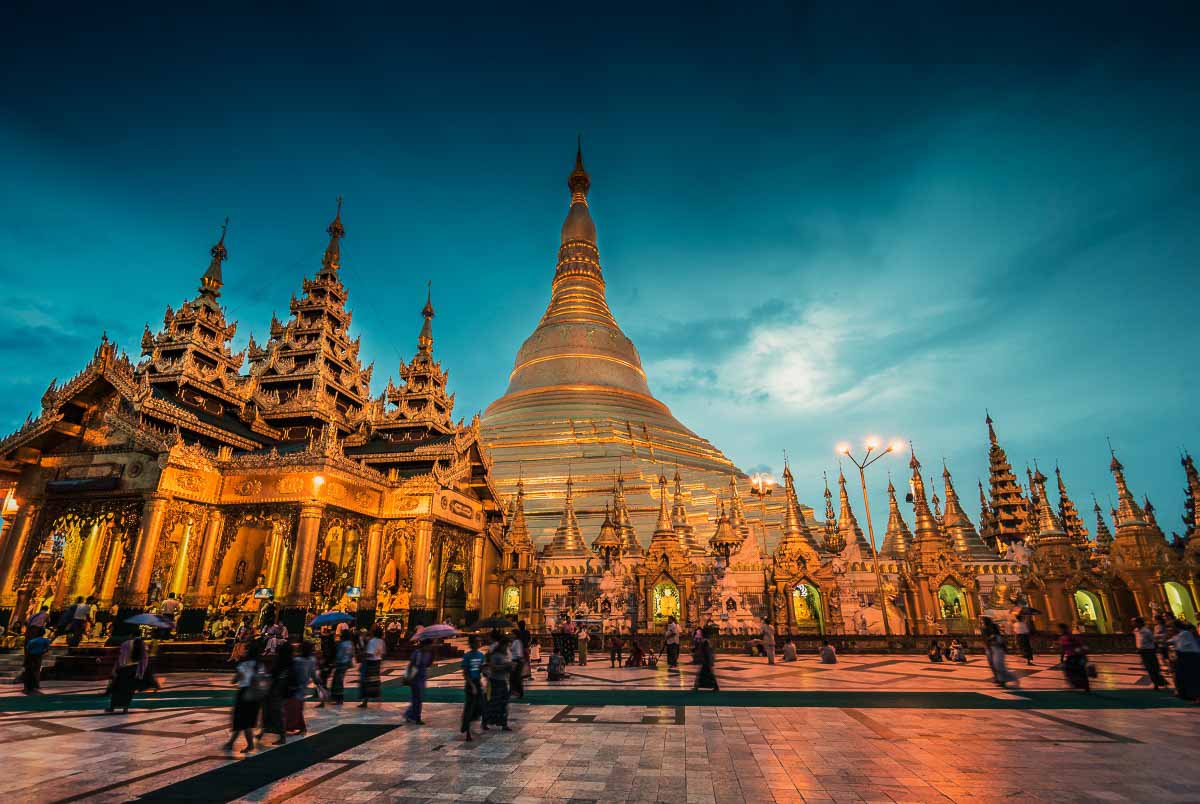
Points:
(761, 488)
(872, 445)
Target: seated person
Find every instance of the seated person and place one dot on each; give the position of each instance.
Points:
(958, 651)
(827, 653)
(935, 651)
(637, 657)
(789, 650)
(556, 667)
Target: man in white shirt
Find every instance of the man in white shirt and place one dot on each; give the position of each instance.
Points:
(1147, 649)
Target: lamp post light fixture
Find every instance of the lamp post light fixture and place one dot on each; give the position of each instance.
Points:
(761, 483)
(872, 446)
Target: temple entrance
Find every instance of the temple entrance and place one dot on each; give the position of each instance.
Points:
(1090, 612)
(665, 600)
(395, 577)
(338, 566)
(454, 597)
(453, 550)
(806, 609)
(952, 607)
(1180, 601)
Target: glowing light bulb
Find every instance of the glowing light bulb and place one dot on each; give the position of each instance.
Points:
(896, 446)
(843, 448)
(872, 443)
(318, 481)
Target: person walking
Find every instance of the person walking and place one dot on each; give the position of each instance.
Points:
(519, 653)
(705, 677)
(1144, 644)
(616, 650)
(1024, 637)
(499, 668)
(280, 690)
(1162, 641)
(527, 644)
(672, 642)
(371, 665)
(128, 672)
(767, 634)
(304, 671)
(416, 675)
(998, 651)
(989, 630)
(328, 656)
(472, 670)
(582, 636)
(31, 674)
(1187, 661)
(252, 682)
(1074, 658)
(342, 658)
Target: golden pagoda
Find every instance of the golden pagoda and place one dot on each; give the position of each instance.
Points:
(578, 394)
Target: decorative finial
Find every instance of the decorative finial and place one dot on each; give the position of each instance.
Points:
(331, 262)
(211, 281)
(579, 182)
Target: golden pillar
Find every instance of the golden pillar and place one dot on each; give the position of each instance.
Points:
(208, 551)
(422, 552)
(299, 589)
(371, 575)
(112, 570)
(138, 585)
(15, 542)
(475, 598)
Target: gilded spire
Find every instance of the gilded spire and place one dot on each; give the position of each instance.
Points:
(898, 539)
(1128, 511)
(796, 535)
(737, 514)
(679, 520)
(664, 516)
(849, 531)
(607, 543)
(1050, 529)
(425, 339)
(956, 523)
(929, 542)
(579, 182)
(664, 540)
(629, 540)
(987, 521)
(1010, 509)
(724, 542)
(518, 529)
(1069, 515)
(332, 260)
(834, 542)
(1104, 537)
(568, 540)
(210, 282)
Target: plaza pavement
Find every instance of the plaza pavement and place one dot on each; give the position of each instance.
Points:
(871, 728)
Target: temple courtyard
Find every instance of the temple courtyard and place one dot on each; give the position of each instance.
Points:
(871, 728)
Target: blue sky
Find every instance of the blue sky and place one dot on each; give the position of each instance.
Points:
(815, 223)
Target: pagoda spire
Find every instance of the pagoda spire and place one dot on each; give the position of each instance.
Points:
(897, 541)
(607, 544)
(987, 521)
(848, 528)
(1009, 507)
(664, 540)
(1104, 537)
(1069, 515)
(796, 535)
(1128, 511)
(425, 339)
(833, 538)
(1050, 529)
(568, 540)
(211, 282)
(332, 261)
(929, 542)
(679, 519)
(737, 513)
(1192, 497)
(518, 529)
(630, 545)
(963, 536)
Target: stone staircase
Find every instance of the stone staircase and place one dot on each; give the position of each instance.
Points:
(13, 662)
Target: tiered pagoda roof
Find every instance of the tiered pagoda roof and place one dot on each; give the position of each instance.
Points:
(1009, 507)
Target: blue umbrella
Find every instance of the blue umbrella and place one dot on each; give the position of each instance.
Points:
(152, 620)
(331, 618)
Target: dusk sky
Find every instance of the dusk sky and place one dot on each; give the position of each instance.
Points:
(815, 225)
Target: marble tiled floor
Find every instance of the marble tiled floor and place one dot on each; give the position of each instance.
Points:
(696, 752)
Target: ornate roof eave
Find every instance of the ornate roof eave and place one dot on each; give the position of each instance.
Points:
(182, 417)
